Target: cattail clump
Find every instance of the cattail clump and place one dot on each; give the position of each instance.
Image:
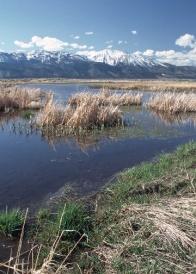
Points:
(21, 98)
(106, 97)
(89, 113)
(173, 102)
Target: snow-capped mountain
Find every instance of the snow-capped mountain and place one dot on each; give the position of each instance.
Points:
(115, 57)
(40, 56)
(111, 57)
(106, 56)
(53, 56)
(88, 64)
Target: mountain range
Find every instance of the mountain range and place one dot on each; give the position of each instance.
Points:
(104, 64)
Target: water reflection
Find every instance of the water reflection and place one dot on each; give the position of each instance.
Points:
(140, 124)
(177, 119)
(37, 163)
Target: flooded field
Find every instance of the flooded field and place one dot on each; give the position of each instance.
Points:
(36, 166)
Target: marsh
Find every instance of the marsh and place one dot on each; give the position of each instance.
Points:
(36, 165)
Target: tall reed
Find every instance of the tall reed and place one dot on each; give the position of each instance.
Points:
(107, 97)
(89, 113)
(173, 102)
(21, 98)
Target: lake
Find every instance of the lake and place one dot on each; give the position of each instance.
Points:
(35, 167)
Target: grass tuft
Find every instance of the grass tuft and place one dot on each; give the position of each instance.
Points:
(107, 97)
(11, 222)
(14, 97)
(173, 103)
(89, 114)
(73, 217)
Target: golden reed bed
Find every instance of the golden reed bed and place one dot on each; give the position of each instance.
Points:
(87, 115)
(149, 85)
(107, 97)
(173, 102)
(21, 98)
(87, 111)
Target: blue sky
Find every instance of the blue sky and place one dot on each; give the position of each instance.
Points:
(128, 25)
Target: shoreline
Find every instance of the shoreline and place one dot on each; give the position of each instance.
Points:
(168, 180)
(143, 85)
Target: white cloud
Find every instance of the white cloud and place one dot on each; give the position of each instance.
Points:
(109, 46)
(179, 58)
(148, 52)
(165, 53)
(91, 47)
(48, 44)
(2, 43)
(76, 37)
(89, 33)
(23, 45)
(138, 52)
(122, 42)
(134, 32)
(109, 42)
(77, 46)
(171, 56)
(186, 40)
(45, 43)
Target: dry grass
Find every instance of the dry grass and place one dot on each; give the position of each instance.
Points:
(149, 85)
(173, 103)
(87, 114)
(21, 98)
(106, 97)
(145, 85)
(159, 238)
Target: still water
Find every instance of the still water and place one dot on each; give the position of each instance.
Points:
(34, 167)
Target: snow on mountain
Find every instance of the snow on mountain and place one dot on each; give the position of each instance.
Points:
(53, 56)
(106, 56)
(47, 57)
(111, 57)
(114, 57)
(89, 64)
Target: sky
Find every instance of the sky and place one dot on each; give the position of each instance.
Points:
(165, 29)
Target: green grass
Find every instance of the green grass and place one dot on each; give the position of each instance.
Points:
(11, 222)
(42, 215)
(167, 175)
(71, 221)
(27, 114)
(73, 216)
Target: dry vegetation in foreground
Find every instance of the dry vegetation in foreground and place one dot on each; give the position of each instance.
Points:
(154, 238)
(89, 113)
(149, 85)
(173, 103)
(106, 97)
(21, 98)
(146, 221)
